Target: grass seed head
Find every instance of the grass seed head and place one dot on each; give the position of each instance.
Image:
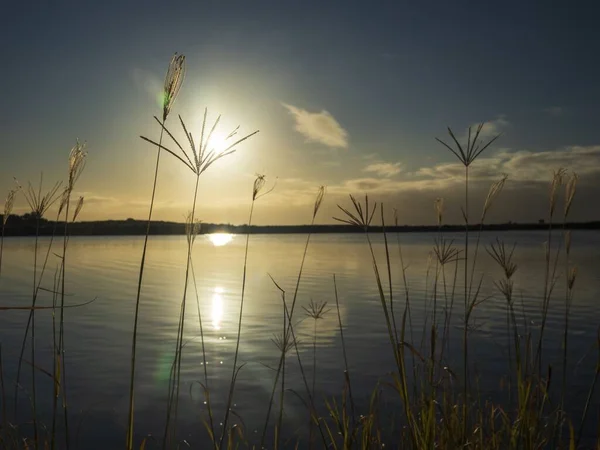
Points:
(283, 342)
(318, 200)
(192, 228)
(557, 181)
(445, 251)
(571, 277)
(76, 163)
(494, 191)
(173, 82)
(503, 257)
(201, 153)
(570, 189)
(362, 216)
(439, 209)
(316, 310)
(38, 202)
(78, 208)
(474, 147)
(8, 205)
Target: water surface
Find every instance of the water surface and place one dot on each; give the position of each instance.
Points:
(98, 335)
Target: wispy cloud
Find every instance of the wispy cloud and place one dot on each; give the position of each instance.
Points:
(554, 111)
(384, 169)
(147, 82)
(319, 127)
(491, 128)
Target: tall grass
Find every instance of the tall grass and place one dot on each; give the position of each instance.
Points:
(257, 192)
(436, 395)
(200, 156)
(8, 207)
(173, 82)
(77, 159)
(39, 205)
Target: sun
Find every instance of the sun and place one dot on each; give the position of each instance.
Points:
(218, 142)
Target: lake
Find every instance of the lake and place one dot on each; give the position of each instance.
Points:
(98, 335)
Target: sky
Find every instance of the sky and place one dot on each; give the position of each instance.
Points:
(350, 95)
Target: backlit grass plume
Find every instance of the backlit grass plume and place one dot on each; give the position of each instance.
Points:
(77, 159)
(362, 216)
(39, 204)
(467, 153)
(201, 153)
(259, 184)
(316, 311)
(173, 82)
(8, 207)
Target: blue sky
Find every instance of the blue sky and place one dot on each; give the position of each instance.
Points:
(368, 86)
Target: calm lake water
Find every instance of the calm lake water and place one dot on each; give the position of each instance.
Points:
(98, 335)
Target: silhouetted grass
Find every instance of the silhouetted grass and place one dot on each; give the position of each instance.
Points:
(436, 404)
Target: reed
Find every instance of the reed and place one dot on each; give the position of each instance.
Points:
(39, 204)
(257, 192)
(198, 158)
(173, 81)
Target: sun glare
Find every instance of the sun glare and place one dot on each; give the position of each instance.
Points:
(218, 142)
(220, 239)
(217, 308)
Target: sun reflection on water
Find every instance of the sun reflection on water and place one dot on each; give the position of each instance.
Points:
(220, 239)
(217, 308)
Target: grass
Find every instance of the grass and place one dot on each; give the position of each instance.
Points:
(436, 397)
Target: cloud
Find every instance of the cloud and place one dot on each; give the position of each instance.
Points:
(524, 168)
(384, 169)
(555, 111)
(491, 129)
(147, 82)
(319, 127)
(524, 198)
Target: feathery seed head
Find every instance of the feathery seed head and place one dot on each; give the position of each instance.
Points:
(39, 203)
(445, 251)
(192, 228)
(362, 215)
(570, 188)
(495, 189)
(78, 208)
(316, 310)
(468, 153)
(64, 198)
(283, 342)
(505, 286)
(173, 82)
(76, 163)
(259, 184)
(439, 209)
(318, 200)
(503, 257)
(557, 181)
(8, 205)
(202, 154)
(571, 277)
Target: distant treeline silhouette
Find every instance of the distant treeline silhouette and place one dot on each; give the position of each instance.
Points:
(25, 226)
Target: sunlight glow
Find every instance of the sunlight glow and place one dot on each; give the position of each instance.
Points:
(218, 142)
(217, 308)
(220, 239)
